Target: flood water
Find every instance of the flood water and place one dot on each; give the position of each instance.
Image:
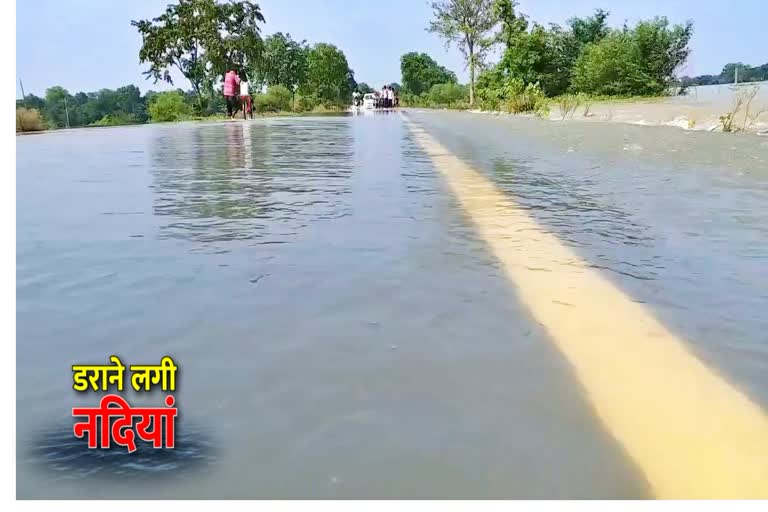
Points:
(341, 329)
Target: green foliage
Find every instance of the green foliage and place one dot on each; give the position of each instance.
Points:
(591, 29)
(447, 94)
(277, 99)
(200, 38)
(545, 55)
(306, 103)
(746, 73)
(115, 120)
(742, 101)
(29, 120)
(420, 72)
(468, 24)
(611, 68)
(284, 62)
(328, 76)
(496, 92)
(569, 103)
(124, 104)
(364, 88)
(638, 61)
(57, 100)
(168, 106)
(528, 98)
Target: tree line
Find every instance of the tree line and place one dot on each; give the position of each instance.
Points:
(746, 73)
(200, 40)
(585, 56)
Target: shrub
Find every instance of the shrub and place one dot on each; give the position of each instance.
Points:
(168, 106)
(116, 120)
(305, 103)
(568, 103)
(277, 99)
(29, 120)
(447, 94)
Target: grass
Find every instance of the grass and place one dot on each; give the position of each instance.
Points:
(742, 100)
(29, 120)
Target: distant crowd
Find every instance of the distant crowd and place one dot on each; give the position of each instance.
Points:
(387, 97)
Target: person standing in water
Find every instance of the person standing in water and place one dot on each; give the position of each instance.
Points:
(245, 99)
(231, 83)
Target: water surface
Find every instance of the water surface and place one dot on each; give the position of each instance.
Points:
(341, 329)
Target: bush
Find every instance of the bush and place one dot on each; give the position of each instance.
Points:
(277, 99)
(168, 106)
(611, 68)
(447, 94)
(568, 103)
(29, 120)
(116, 120)
(512, 95)
(306, 103)
(527, 99)
(637, 62)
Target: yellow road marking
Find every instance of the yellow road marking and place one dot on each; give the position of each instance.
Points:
(690, 432)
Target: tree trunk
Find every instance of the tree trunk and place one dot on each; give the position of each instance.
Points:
(471, 74)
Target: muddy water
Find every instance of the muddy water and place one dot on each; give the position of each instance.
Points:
(342, 329)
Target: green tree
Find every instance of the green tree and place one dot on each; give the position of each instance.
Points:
(541, 55)
(284, 62)
(57, 101)
(200, 38)
(364, 88)
(420, 72)
(31, 101)
(638, 61)
(168, 106)
(662, 50)
(512, 23)
(591, 29)
(328, 75)
(447, 94)
(469, 25)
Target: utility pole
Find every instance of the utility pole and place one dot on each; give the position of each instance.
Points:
(23, 96)
(66, 110)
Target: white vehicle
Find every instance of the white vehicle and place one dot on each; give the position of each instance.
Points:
(369, 101)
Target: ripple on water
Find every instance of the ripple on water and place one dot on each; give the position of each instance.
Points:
(58, 451)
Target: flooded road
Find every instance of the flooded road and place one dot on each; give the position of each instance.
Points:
(343, 324)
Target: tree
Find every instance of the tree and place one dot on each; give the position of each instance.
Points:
(284, 62)
(512, 23)
(364, 88)
(537, 56)
(55, 107)
(420, 72)
(447, 94)
(591, 29)
(610, 67)
(468, 24)
(328, 75)
(662, 50)
(200, 38)
(638, 61)
(168, 106)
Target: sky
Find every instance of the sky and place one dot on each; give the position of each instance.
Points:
(87, 45)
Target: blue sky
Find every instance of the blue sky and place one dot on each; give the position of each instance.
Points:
(89, 44)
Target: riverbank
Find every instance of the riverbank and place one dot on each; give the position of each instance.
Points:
(707, 108)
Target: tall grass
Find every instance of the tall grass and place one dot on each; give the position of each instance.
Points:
(29, 120)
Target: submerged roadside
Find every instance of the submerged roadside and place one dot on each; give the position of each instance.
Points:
(717, 108)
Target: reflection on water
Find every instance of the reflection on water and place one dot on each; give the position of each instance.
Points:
(223, 183)
(342, 329)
